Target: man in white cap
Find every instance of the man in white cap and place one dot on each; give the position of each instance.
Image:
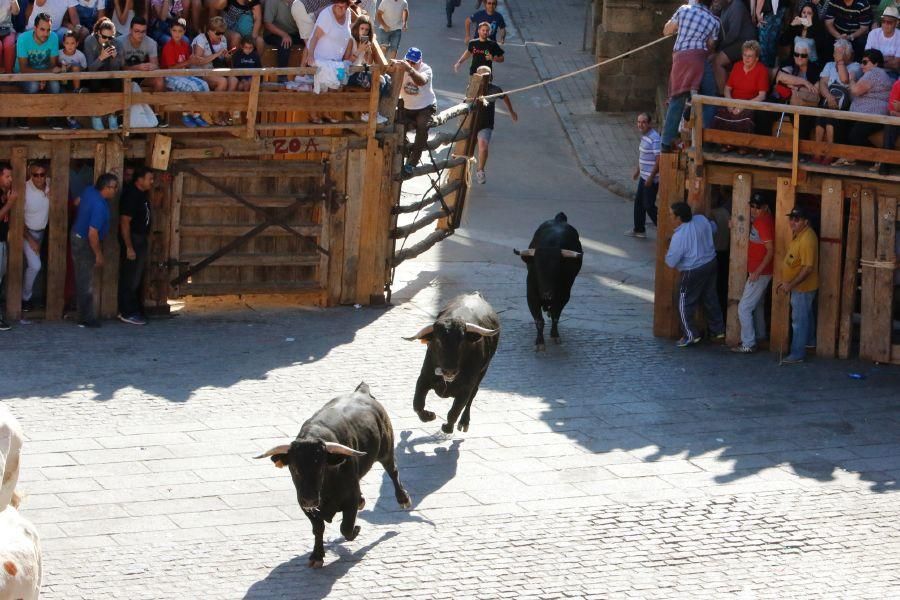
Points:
(886, 39)
(419, 102)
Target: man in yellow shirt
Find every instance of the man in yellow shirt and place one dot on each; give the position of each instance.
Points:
(800, 279)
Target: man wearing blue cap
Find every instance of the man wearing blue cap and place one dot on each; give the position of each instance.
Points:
(419, 102)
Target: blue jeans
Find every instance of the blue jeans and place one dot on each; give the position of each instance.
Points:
(676, 107)
(86, 16)
(34, 87)
(803, 323)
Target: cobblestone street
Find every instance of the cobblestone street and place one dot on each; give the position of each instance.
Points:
(613, 465)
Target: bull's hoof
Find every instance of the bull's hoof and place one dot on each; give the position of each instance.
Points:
(425, 415)
(539, 347)
(463, 426)
(315, 563)
(405, 501)
(362, 503)
(556, 340)
(351, 535)
(447, 428)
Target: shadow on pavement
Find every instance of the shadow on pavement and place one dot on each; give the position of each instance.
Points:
(734, 416)
(422, 474)
(294, 579)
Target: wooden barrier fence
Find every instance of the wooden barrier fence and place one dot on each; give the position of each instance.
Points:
(856, 225)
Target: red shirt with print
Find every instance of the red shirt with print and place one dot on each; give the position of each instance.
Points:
(762, 230)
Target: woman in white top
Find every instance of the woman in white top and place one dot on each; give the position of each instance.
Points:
(210, 51)
(123, 11)
(331, 39)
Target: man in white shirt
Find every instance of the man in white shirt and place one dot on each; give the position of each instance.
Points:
(392, 17)
(37, 215)
(419, 102)
(887, 40)
(63, 16)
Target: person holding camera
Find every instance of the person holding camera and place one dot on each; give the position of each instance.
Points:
(142, 54)
(211, 52)
(104, 53)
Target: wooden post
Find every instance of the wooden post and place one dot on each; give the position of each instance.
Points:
(174, 250)
(388, 105)
(356, 160)
(369, 284)
(99, 167)
(831, 238)
(373, 100)
(697, 118)
(671, 190)
(876, 324)
(781, 303)
(795, 151)
(337, 174)
(477, 85)
(58, 242)
(851, 270)
(252, 106)
(740, 238)
(869, 243)
(109, 288)
(126, 106)
(15, 241)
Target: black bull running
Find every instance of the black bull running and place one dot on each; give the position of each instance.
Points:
(554, 259)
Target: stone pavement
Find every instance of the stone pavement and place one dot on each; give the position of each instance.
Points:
(605, 143)
(611, 466)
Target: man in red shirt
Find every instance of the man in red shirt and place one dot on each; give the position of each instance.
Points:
(760, 252)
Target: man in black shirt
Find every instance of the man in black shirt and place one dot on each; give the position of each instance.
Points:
(485, 126)
(134, 230)
(7, 199)
(483, 51)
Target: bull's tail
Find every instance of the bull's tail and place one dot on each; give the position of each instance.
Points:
(561, 217)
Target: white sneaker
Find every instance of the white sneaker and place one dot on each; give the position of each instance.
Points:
(379, 118)
(479, 176)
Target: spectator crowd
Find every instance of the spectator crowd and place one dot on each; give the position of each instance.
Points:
(76, 36)
(835, 54)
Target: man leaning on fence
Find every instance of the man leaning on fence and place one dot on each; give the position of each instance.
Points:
(800, 279)
(88, 232)
(760, 255)
(693, 253)
(134, 232)
(419, 103)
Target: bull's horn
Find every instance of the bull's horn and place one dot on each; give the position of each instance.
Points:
(473, 328)
(569, 254)
(528, 252)
(282, 449)
(335, 448)
(422, 333)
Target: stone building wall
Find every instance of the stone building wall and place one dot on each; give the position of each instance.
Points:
(631, 84)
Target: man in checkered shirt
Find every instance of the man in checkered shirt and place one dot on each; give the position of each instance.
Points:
(698, 30)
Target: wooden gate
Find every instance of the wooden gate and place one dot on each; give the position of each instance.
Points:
(242, 227)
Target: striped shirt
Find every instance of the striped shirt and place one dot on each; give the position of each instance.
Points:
(649, 149)
(848, 19)
(696, 25)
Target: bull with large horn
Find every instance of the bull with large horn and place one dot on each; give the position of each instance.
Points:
(334, 449)
(553, 259)
(461, 342)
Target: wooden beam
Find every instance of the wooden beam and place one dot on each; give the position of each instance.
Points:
(174, 250)
(877, 332)
(374, 92)
(800, 110)
(781, 303)
(697, 138)
(356, 161)
(671, 190)
(109, 290)
(99, 168)
(766, 178)
(421, 246)
(368, 280)
(337, 175)
(15, 241)
(740, 238)
(850, 275)
(58, 227)
(868, 336)
(783, 144)
(795, 151)
(252, 106)
(436, 196)
(831, 241)
(435, 167)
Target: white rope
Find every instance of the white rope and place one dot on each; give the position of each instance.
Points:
(574, 73)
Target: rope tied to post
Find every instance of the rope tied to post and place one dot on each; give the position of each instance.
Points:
(880, 264)
(626, 54)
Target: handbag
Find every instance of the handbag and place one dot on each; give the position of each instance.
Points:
(804, 97)
(841, 94)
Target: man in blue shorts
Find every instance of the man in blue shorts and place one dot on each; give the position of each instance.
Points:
(392, 17)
